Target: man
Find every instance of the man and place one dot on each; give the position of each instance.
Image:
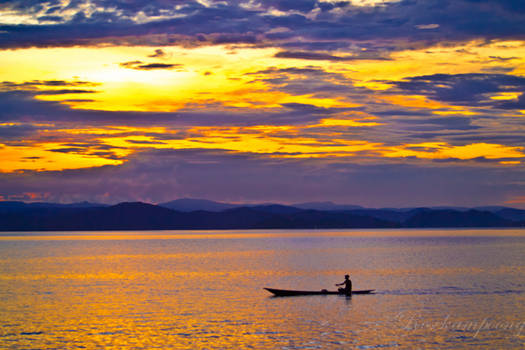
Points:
(348, 286)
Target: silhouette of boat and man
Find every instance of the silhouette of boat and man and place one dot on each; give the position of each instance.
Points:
(347, 290)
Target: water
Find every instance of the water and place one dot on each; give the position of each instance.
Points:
(168, 289)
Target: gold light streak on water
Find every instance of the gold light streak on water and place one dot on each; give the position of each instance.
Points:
(206, 291)
(246, 234)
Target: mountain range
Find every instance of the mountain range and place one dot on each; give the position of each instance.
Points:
(198, 214)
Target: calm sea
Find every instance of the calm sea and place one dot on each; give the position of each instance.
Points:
(169, 289)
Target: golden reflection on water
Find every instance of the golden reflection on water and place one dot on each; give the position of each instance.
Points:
(244, 234)
(119, 290)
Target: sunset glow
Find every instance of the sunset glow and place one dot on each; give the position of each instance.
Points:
(115, 91)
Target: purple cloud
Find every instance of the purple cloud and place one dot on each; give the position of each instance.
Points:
(387, 27)
(163, 175)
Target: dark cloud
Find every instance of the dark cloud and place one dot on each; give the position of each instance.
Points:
(44, 83)
(319, 56)
(510, 5)
(50, 19)
(472, 89)
(21, 106)
(67, 150)
(139, 65)
(159, 53)
(437, 123)
(28, 6)
(309, 25)
(65, 91)
(497, 70)
(78, 100)
(23, 90)
(308, 70)
(144, 142)
(310, 80)
(233, 38)
(519, 104)
(17, 131)
(288, 5)
(503, 59)
(91, 148)
(512, 137)
(414, 125)
(403, 112)
(396, 125)
(311, 109)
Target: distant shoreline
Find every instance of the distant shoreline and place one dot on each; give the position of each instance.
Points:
(263, 233)
(136, 216)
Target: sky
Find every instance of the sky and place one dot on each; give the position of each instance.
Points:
(371, 102)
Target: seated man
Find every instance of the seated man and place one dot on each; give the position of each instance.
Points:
(348, 286)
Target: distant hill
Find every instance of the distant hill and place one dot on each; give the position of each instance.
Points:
(326, 206)
(190, 204)
(276, 209)
(511, 214)
(19, 216)
(7, 206)
(394, 215)
(454, 218)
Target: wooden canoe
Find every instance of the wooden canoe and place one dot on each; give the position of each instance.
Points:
(291, 293)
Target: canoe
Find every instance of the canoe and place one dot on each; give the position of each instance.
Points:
(291, 293)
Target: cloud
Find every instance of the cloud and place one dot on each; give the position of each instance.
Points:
(159, 53)
(504, 59)
(8, 85)
(309, 25)
(427, 26)
(49, 87)
(473, 89)
(437, 123)
(394, 124)
(18, 131)
(66, 91)
(163, 175)
(139, 65)
(289, 5)
(68, 150)
(144, 142)
(309, 80)
(20, 106)
(319, 56)
(50, 19)
(519, 104)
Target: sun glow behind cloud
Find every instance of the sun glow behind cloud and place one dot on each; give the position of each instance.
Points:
(224, 77)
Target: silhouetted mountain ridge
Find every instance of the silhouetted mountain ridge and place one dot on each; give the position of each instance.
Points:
(191, 204)
(19, 216)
